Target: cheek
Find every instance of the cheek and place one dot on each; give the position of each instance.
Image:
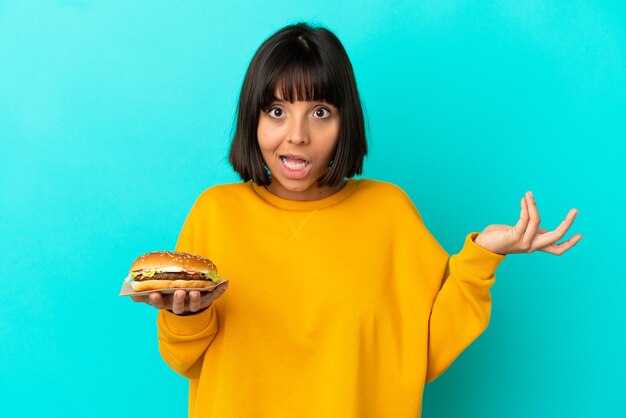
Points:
(268, 137)
(330, 136)
(330, 131)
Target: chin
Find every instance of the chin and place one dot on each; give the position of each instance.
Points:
(296, 187)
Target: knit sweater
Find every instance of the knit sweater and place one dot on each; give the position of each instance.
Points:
(339, 307)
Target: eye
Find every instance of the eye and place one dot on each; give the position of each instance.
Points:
(275, 112)
(319, 112)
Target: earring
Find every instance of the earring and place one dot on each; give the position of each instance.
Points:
(267, 170)
(331, 163)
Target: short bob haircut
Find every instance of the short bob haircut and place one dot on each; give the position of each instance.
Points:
(303, 63)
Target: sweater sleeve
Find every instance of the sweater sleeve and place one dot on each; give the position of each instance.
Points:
(462, 307)
(184, 339)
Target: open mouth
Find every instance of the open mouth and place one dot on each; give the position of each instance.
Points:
(294, 163)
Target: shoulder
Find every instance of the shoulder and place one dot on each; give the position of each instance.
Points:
(390, 195)
(380, 187)
(225, 190)
(383, 189)
(222, 194)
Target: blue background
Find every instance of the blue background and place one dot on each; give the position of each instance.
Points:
(116, 115)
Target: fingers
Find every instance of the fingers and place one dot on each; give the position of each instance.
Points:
(560, 248)
(209, 297)
(522, 224)
(194, 300)
(153, 299)
(199, 300)
(178, 301)
(551, 237)
(549, 240)
(533, 223)
(182, 301)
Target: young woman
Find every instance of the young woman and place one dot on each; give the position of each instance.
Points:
(341, 302)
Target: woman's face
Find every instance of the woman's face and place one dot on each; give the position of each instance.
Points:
(297, 141)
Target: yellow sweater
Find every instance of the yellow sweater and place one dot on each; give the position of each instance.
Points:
(340, 307)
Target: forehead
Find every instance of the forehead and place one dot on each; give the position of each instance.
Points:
(298, 83)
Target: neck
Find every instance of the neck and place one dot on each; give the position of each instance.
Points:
(314, 194)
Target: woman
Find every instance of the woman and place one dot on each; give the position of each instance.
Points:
(342, 304)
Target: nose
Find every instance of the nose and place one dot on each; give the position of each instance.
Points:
(298, 133)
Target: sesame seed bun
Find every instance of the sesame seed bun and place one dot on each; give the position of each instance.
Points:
(161, 259)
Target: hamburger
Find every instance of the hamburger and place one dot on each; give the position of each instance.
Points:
(171, 269)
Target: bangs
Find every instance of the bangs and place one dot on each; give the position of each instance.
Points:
(302, 77)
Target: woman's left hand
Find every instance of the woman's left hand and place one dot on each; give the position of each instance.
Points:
(526, 236)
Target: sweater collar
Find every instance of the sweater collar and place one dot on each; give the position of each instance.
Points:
(282, 203)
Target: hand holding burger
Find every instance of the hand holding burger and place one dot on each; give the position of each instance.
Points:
(182, 302)
(166, 270)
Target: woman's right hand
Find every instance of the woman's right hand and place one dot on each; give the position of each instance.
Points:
(183, 302)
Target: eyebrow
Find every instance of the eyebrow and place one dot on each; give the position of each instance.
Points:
(276, 100)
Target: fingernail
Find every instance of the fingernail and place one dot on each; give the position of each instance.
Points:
(531, 195)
